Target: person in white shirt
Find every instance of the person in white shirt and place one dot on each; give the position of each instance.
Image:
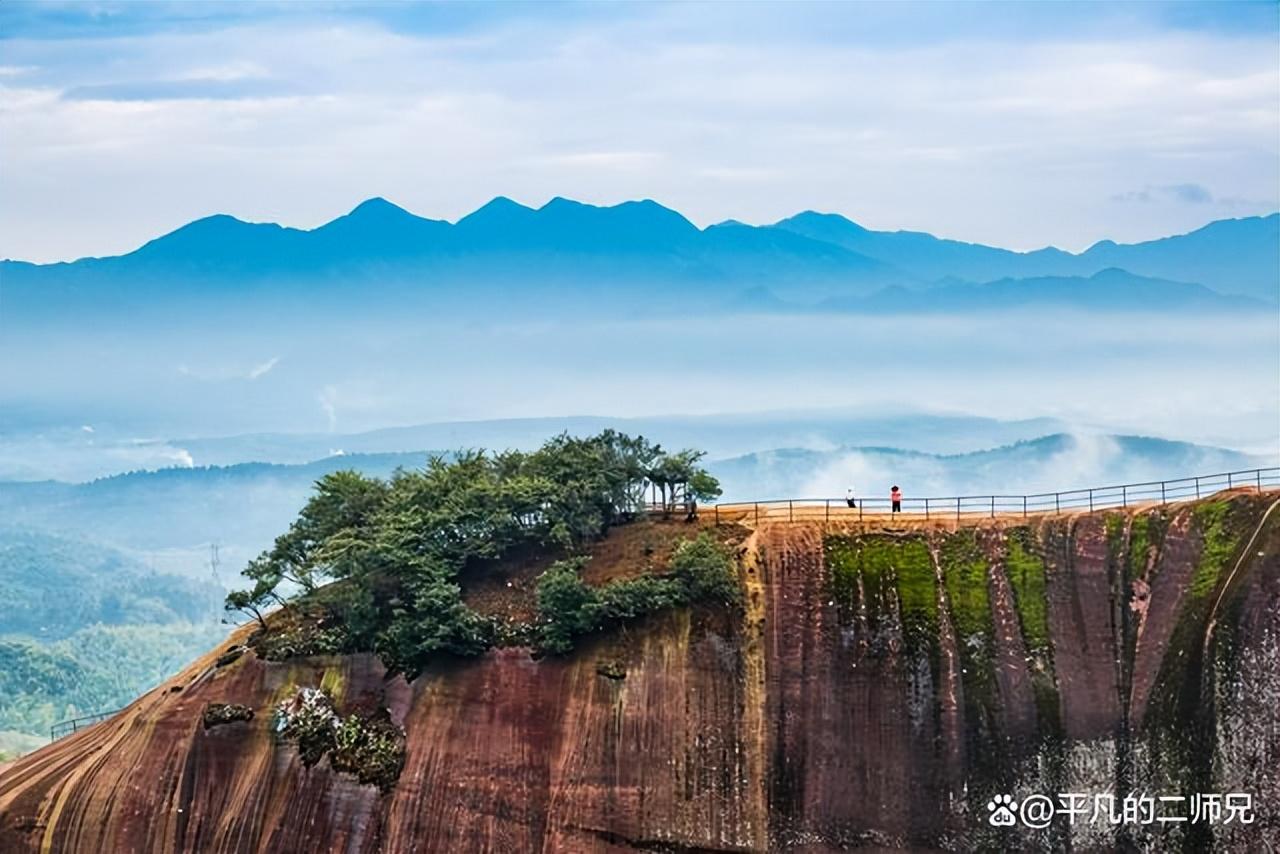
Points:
(848, 498)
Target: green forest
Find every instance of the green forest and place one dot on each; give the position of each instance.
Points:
(86, 629)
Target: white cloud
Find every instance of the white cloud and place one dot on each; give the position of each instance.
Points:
(262, 369)
(224, 373)
(702, 110)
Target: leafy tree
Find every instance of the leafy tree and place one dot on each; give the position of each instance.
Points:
(397, 547)
(703, 486)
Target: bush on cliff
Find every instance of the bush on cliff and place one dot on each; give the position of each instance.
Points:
(702, 571)
(396, 548)
(370, 747)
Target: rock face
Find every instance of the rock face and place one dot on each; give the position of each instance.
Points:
(876, 691)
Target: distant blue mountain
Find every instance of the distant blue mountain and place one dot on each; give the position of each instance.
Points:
(1049, 463)
(243, 507)
(385, 252)
(1233, 256)
(635, 253)
(1110, 290)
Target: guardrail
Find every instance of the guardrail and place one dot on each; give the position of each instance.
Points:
(65, 728)
(970, 506)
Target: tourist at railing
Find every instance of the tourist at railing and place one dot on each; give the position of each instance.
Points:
(895, 496)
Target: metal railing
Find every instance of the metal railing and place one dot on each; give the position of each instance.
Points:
(971, 506)
(64, 728)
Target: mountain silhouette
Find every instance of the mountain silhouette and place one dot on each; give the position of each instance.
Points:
(637, 251)
(1234, 256)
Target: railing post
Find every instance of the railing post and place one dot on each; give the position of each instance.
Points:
(861, 504)
(1091, 501)
(1124, 496)
(828, 518)
(791, 510)
(717, 509)
(926, 508)
(957, 511)
(1057, 503)
(993, 507)
(1024, 507)
(1258, 472)
(1229, 483)
(1197, 487)
(1163, 500)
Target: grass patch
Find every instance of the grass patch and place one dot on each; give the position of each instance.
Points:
(1139, 543)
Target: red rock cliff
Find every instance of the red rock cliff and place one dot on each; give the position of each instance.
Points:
(876, 690)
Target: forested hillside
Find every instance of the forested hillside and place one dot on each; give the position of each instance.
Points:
(86, 628)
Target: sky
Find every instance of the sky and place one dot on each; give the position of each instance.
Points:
(1019, 125)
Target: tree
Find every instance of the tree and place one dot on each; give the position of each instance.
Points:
(256, 600)
(396, 548)
(703, 486)
(675, 473)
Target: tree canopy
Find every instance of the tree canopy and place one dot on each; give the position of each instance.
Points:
(396, 547)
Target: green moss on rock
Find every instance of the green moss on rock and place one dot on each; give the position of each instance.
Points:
(1026, 572)
(1025, 569)
(1221, 532)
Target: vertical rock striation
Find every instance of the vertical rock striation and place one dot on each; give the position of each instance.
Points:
(875, 691)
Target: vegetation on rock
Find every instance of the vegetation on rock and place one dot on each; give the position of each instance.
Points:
(701, 571)
(87, 628)
(379, 565)
(371, 748)
(217, 714)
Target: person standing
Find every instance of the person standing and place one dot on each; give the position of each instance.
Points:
(895, 496)
(849, 499)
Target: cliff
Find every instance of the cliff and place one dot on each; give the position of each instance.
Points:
(876, 690)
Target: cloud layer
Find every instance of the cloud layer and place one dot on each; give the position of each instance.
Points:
(1006, 125)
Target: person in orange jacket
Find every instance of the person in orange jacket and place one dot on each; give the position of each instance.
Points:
(895, 495)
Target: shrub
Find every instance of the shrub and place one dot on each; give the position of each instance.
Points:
(707, 570)
(217, 714)
(702, 571)
(566, 606)
(372, 749)
(309, 720)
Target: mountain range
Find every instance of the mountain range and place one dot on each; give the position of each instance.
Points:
(639, 251)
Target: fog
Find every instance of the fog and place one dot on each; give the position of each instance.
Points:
(102, 399)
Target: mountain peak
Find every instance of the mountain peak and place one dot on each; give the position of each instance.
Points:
(498, 210)
(824, 220)
(377, 206)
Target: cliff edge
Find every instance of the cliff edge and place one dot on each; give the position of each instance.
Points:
(875, 690)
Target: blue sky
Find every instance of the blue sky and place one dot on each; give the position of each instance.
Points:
(1014, 124)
